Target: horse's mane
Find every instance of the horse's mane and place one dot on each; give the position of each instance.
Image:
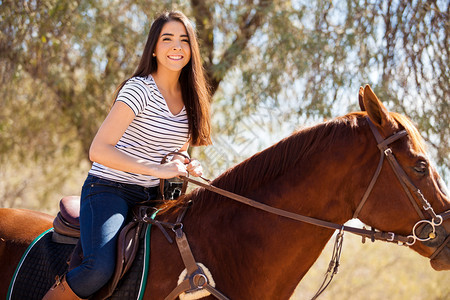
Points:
(287, 153)
(416, 139)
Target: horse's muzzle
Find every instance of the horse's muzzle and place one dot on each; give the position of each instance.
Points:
(441, 262)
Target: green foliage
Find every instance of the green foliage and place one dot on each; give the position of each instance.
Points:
(273, 66)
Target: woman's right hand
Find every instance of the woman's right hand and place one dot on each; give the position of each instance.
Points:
(170, 169)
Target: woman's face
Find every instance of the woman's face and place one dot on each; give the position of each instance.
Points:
(172, 49)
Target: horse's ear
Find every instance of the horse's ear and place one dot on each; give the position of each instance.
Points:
(377, 112)
(361, 98)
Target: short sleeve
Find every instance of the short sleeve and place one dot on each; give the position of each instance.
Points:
(133, 94)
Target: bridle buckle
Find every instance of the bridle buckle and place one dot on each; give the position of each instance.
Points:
(391, 237)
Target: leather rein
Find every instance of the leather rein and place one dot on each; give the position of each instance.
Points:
(197, 279)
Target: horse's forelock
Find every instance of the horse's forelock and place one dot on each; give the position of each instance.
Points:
(415, 137)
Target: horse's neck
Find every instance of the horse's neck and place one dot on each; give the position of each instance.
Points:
(254, 254)
(268, 255)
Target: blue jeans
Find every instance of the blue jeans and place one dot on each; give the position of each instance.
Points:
(103, 213)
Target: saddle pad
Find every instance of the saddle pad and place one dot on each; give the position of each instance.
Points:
(45, 259)
(41, 262)
(132, 285)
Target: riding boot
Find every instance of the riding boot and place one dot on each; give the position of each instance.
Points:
(61, 291)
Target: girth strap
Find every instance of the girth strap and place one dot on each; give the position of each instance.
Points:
(186, 253)
(181, 288)
(186, 286)
(215, 292)
(196, 277)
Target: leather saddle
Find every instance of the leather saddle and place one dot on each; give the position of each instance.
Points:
(67, 230)
(67, 221)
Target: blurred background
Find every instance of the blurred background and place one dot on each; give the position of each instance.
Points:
(375, 271)
(274, 67)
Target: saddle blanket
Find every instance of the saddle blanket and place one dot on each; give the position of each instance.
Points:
(45, 259)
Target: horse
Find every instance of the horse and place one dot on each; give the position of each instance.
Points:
(329, 172)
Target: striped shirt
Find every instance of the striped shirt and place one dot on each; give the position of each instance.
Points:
(153, 133)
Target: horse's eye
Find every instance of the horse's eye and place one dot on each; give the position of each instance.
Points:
(421, 167)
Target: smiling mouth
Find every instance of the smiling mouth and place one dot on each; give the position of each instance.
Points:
(175, 57)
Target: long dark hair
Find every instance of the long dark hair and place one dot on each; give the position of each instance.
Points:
(194, 88)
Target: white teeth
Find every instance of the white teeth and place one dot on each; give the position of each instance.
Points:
(175, 56)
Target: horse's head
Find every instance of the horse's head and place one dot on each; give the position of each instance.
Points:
(409, 197)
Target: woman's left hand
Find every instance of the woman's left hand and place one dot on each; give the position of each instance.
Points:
(195, 168)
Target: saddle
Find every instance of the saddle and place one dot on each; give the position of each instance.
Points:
(67, 223)
(67, 230)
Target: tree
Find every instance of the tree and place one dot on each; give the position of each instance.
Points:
(62, 60)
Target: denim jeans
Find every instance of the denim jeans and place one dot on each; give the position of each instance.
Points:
(103, 213)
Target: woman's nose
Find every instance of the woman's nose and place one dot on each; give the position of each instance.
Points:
(177, 45)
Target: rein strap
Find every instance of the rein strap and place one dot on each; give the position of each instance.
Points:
(373, 235)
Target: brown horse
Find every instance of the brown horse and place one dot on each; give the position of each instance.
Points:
(322, 172)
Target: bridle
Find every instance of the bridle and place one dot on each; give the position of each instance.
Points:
(408, 186)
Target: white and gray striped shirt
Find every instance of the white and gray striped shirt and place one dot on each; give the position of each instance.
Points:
(153, 133)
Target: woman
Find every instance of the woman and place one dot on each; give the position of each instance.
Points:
(163, 107)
